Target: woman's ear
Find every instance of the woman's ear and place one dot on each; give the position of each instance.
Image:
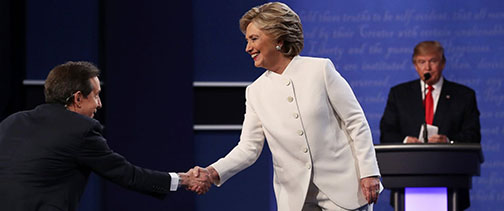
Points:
(280, 43)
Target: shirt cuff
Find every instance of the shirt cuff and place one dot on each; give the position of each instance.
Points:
(174, 181)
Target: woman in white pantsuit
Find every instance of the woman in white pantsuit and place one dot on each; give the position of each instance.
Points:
(323, 154)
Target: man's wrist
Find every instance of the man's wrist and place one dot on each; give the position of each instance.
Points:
(175, 181)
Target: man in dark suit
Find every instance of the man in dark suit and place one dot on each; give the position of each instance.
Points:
(453, 106)
(47, 154)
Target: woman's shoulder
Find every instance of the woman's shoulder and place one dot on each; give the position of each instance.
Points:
(312, 63)
(316, 65)
(309, 59)
(258, 80)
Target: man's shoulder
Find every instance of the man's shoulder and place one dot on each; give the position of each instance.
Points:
(406, 84)
(460, 88)
(13, 117)
(58, 114)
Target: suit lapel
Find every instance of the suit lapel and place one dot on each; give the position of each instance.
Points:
(443, 105)
(416, 102)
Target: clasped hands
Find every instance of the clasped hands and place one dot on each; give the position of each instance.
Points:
(438, 138)
(198, 179)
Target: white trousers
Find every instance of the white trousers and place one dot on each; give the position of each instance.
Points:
(318, 201)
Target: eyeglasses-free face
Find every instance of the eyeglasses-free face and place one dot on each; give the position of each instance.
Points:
(431, 63)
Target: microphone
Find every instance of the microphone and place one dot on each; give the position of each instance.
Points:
(426, 76)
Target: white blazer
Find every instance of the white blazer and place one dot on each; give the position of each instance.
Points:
(314, 127)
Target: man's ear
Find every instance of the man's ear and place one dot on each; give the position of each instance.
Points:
(78, 98)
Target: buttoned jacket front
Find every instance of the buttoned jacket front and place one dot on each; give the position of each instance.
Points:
(314, 127)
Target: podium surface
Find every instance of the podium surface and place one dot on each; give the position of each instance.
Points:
(428, 165)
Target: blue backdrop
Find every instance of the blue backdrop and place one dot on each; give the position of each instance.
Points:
(371, 43)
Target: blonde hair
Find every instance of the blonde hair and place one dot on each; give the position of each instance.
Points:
(279, 21)
(428, 47)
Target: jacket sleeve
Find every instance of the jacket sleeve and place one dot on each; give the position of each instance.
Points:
(248, 149)
(96, 155)
(354, 122)
(470, 126)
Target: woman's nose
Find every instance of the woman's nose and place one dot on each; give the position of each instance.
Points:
(248, 48)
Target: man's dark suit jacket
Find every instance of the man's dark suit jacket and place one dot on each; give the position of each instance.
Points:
(47, 154)
(457, 116)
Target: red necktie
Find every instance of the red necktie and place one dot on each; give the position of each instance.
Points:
(429, 106)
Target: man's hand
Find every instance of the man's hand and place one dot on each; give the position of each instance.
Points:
(201, 179)
(199, 185)
(371, 188)
(412, 140)
(210, 171)
(438, 139)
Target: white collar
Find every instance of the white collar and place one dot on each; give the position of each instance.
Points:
(270, 73)
(437, 86)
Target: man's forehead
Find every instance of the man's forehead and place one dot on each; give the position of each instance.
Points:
(429, 55)
(95, 81)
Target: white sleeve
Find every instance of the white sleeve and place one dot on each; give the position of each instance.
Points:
(248, 149)
(174, 181)
(352, 116)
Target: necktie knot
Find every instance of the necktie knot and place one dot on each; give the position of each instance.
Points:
(430, 88)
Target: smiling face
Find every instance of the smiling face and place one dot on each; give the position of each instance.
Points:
(261, 47)
(92, 102)
(87, 105)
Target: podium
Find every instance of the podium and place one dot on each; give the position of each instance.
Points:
(428, 165)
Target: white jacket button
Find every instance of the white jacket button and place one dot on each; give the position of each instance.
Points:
(300, 132)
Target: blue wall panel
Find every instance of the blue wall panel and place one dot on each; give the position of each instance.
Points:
(59, 31)
(219, 45)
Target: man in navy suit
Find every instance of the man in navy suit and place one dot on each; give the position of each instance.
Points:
(47, 154)
(455, 111)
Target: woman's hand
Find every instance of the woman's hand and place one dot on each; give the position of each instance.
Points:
(371, 188)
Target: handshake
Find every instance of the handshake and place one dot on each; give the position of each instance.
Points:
(199, 180)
